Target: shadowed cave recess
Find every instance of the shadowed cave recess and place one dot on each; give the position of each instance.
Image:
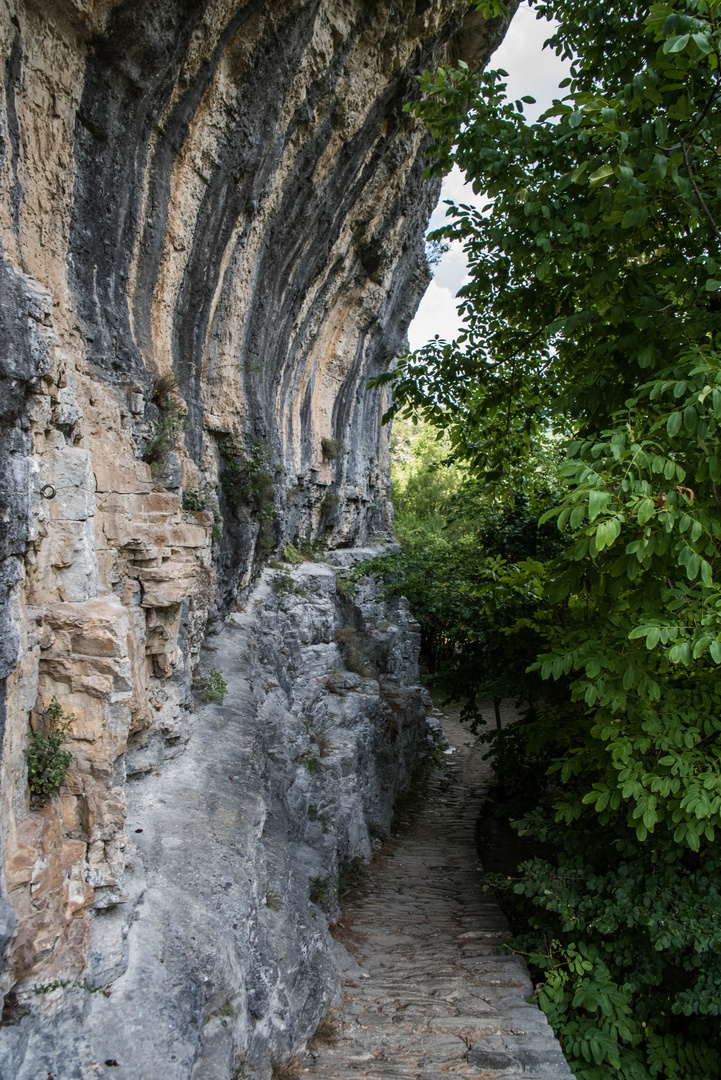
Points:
(212, 220)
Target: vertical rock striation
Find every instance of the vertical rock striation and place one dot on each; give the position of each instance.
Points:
(211, 234)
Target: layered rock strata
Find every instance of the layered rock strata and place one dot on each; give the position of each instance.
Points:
(211, 235)
(216, 960)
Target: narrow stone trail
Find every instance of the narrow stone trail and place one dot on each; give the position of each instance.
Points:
(430, 997)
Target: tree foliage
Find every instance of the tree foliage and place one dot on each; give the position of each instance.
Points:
(592, 316)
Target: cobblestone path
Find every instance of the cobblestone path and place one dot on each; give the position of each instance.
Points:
(430, 997)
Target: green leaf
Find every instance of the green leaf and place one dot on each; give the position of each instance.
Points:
(703, 43)
(578, 514)
(645, 511)
(635, 218)
(658, 169)
(676, 44)
(673, 424)
(597, 501)
(601, 174)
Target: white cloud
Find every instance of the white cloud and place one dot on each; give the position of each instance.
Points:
(436, 315)
(531, 70)
(451, 270)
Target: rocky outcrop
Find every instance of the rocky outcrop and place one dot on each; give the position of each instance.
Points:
(214, 959)
(211, 227)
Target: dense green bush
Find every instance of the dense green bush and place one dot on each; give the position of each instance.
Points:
(214, 686)
(47, 762)
(592, 320)
(247, 483)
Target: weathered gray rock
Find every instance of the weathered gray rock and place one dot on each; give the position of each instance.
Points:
(227, 194)
(212, 216)
(215, 945)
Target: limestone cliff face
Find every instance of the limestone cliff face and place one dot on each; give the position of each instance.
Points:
(211, 957)
(211, 218)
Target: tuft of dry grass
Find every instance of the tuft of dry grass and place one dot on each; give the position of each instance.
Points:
(286, 1070)
(326, 1034)
(164, 387)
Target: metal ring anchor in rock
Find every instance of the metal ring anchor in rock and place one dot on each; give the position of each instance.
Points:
(48, 491)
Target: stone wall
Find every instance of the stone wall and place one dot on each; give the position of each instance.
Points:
(211, 235)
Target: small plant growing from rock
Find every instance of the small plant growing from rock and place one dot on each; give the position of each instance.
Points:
(318, 734)
(321, 891)
(344, 585)
(315, 815)
(331, 448)
(282, 583)
(245, 481)
(292, 555)
(321, 740)
(333, 686)
(214, 686)
(169, 426)
(312, 763)
(311, 550)
(193, 501)
(225, 1011)
(355, 663)
(273, 900)
(329, 507)
(47, 762)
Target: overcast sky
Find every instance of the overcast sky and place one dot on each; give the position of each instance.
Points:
(532, 70)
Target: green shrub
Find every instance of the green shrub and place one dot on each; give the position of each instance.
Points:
(169, 425)
(245, 481)
(321, 891)
(624, 943)
(292, 555)
(344, 585)
(47, 763)
(283, 584)
(214, 686)
(193, 501)
(331, 448)
(329, 507)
